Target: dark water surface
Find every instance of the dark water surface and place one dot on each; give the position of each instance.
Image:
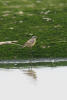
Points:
(42, 60)
(43, 83)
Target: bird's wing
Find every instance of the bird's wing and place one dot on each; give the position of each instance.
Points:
(29, 43)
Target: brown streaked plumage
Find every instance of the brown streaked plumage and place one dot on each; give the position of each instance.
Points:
(31, 42)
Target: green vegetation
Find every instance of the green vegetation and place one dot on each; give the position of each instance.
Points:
(21, 19)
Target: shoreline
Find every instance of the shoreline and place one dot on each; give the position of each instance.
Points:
(42, 60)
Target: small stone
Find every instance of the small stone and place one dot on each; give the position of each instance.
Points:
(43, 46)
(31, 34)
(5, 15)
(15, 64)
(7, 11)
(48, 11)
(57, 26)
(20, 12)
(38, 1)
(48, 46)
(47, 19)
(11, 28)
(30, 14)
(20, 21)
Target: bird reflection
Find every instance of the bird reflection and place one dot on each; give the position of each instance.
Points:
(31, 73)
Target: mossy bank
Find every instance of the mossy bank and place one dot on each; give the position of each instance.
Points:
(22, 19)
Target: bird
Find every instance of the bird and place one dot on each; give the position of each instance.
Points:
(31, 42)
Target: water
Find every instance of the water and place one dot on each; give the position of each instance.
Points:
(43, 83)
(41, 60)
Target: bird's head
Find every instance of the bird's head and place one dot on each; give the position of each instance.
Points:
(35, 37)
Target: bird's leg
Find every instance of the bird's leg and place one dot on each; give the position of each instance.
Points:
(31, 58)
